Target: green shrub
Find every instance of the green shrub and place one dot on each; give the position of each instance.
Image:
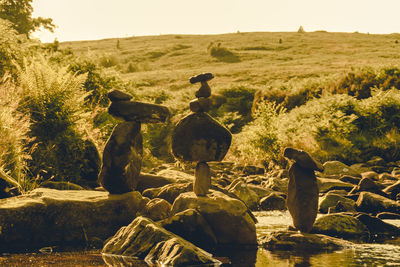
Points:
(235, 112)
(108, 61)
(14, 127)
(360, 83)
(54, 99)
(223, 54)
(96, 84)
(333, 127)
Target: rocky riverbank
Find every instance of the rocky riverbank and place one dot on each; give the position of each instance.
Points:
(354, 201)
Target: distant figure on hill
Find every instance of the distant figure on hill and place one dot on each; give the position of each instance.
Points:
(302, 198)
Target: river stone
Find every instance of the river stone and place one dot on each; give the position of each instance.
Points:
(146, 181)
(139, 111)
(326, 184)
(191, 225)
(277, 184)
(198, 137)
(117, 95)
(291, 240)
(48, 217)
(273, 201)
(337, 167)
(378, 229)
(393, 190)
(373, 203)
(331, 200)
(61, 185)
(342, 226)
(146, 240)
(122, 158)
(246, 194)
(228, 217)
(172, 191)
(157, 209)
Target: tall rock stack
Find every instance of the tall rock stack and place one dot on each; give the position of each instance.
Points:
(123, 153)
(200, 138)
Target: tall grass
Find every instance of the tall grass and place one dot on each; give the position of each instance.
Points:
(14, 127)
(54, 98)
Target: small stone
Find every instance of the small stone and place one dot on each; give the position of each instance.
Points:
(204, 77)
(273, 201)
(122, 158)
(138, 111)
(117, 95)
(202, 182)
(204, 90)
(201, 104)
(199, 137)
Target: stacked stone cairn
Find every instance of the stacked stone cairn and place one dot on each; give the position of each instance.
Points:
(123, 152)
(200, 138)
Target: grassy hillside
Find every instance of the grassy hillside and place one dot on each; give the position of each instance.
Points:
(167, 61)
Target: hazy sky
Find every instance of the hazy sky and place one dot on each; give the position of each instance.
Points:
(98, 19)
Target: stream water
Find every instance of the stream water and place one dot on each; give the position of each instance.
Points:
(387, 254)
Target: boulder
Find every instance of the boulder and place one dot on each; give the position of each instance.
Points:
(144, 239)
(376, 161)
(228, 217)
(146, 181)
(331, 200)
(172, 191)
(61, 185)
(157, 209)
(198, 137)
(260, 191)
(277, 184)
(393, 190)
(342, 226)
(138, 111)
(303, 159)
(296, 241)
(373, 203)
(337, 168)
(122, 159)
(273, 201)
(378, 229)
(326, 184)
(48, 217)
(368, 184)
(248, 196)
(191, 225)
(176, 176)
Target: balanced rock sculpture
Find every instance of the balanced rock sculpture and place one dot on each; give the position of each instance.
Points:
(200, 138)
(302, 197)
(123, 153)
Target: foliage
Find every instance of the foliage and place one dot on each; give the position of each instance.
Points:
(97, 84)
(223, 54)
(19, 13)
(333, 127)
(360, 83)
(14, 127)
(235, 112)
(293, 93)
(12, 49)
(54, 99)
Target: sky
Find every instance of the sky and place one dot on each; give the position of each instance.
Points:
(100, 19)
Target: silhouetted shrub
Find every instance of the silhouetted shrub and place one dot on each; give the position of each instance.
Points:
(223, 54)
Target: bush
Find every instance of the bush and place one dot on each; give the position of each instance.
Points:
(235, 112)
(54, 99)
(108, 61)
(334, 127)
(293, 93)
(360, 83)
(14, 127)
(96, 83)
(223, 54)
